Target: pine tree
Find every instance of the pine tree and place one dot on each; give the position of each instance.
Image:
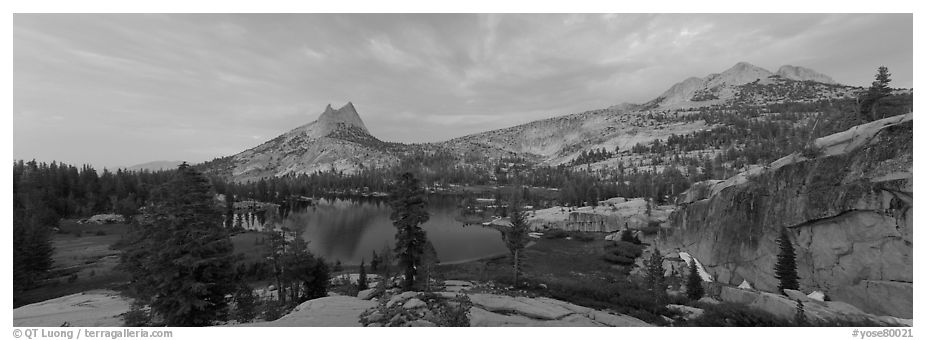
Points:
(515, 237)
(408, 213)
(878, 90)
(303, 272)
(386, 261)
(229, 210)
(32, 223)
(694, 289)
(374, 263)
(362, 280)
(786, 266)
(182, 262)
(655, 277)
(245, 303)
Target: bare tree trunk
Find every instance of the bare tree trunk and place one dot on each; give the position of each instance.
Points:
(427, 284)
(517, 268)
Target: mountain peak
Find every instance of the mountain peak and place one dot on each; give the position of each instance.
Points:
(743, 65)
(331, 119)
(696, 92)
(742, 73)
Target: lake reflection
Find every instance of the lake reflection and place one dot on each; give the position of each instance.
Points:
(347, 230)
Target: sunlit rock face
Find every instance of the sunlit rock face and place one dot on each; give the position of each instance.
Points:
(848, 210)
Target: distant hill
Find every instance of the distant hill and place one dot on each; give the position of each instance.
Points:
(156, 165)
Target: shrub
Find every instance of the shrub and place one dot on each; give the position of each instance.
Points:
(582, 236)
(137, 316)
(245, 304)
(736, 315)
(811, 151)
(625, 249)
(555, 234)
(270, 310)
(454, 313)
(625, 297)
(650, 229)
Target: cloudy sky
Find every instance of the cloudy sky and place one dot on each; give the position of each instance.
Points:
(117, 90)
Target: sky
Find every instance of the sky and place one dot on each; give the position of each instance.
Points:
(114, 90)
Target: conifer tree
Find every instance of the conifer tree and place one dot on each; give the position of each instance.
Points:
(32, 223)
(655, 277)
(182, 262)
(362, 280)
(694, 288)
(786, 266)
(306, 274)
(229, 210)
(408, 213)
(374, 263)
(515, 237)
(878, 90)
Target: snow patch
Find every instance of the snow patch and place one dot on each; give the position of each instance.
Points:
(703, 273)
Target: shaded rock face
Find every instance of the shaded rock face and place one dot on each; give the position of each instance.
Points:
(848, 213)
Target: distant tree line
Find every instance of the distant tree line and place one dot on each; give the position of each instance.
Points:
(71, 192)
(44, 193)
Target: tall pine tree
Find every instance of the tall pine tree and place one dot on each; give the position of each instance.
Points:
(515, 237)
(786, 266)
(181, 260)
(655, 277)
(693, 287)
(879, 89)
(408, 213)
(362, 280)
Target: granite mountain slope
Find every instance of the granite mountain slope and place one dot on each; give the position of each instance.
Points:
(339, 141)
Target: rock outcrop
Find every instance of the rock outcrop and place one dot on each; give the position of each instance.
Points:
(330, 311)
(847, 209)
(818, 312)
(491, 310)
(100, 308)
(609, 216)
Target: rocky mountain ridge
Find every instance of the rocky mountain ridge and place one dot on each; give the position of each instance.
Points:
(721, 87)
(339, 141)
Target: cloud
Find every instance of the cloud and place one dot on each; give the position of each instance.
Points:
(198, 86)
